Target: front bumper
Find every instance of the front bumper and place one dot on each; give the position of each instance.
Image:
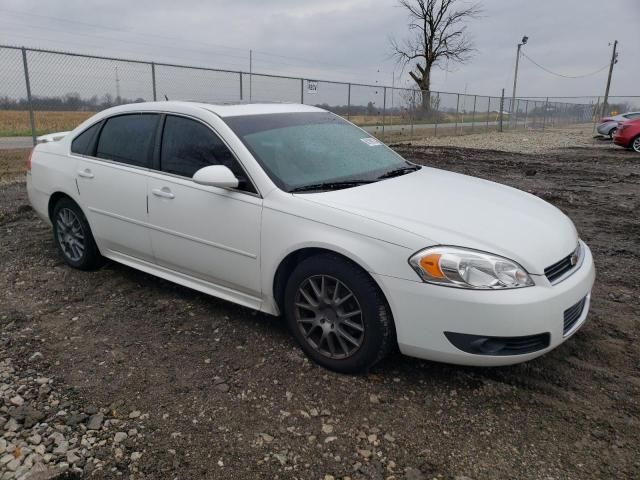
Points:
(605, 128)
(423, 313)
(622, 140)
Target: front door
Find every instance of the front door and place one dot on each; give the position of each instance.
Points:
(209, 233)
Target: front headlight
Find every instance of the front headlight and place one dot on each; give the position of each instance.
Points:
(463, 268)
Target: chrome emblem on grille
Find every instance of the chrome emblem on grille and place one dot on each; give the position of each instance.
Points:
(574, 259)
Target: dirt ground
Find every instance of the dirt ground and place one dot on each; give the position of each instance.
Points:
(228, 394)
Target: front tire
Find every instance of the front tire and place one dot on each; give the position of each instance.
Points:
(73, 236)
(612, 133)
(635, 144)
(337, 314)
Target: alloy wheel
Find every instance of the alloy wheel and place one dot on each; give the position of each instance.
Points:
(70, 234)
(636, 145)
(329, 316)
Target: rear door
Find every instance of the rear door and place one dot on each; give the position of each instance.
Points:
(112, 182)
(209, 233)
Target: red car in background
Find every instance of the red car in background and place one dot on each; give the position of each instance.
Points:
(628, 135)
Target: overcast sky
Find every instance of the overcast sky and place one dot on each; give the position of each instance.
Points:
(344, 39)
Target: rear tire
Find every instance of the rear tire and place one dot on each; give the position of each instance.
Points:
(337, 314)
(73, 237)
(612, 132)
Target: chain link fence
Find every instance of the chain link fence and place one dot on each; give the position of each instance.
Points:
(43, 91)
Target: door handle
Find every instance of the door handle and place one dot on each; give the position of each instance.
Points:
(86, 173)
(163, 192)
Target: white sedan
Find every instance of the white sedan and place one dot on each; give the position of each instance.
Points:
(290, 209)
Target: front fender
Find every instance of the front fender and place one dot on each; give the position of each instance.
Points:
(284, 233)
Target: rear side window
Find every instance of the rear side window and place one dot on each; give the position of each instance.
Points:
(128, 138)
(188, 146)
(83, 143)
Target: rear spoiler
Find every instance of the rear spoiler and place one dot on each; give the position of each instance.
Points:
(52, 137)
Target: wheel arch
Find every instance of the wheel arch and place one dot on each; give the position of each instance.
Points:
(54, 198)
(289, 262)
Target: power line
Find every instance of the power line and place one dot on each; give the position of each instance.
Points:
(170, 38)
(95, 25)
(121, 40)
(136, 55)
(560, 74)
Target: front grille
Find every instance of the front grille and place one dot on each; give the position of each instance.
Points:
(558, 269)
(481, 345)
(572, 314)
(568, 263)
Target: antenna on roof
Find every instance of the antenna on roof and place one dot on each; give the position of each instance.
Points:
(165, 97)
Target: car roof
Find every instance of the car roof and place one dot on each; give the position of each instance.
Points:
(222, 110)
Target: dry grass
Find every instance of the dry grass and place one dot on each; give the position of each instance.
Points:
(12, 163)
(371, 120)
(14, 123)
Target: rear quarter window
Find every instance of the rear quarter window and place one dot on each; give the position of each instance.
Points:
(83, 143)
(128, 139)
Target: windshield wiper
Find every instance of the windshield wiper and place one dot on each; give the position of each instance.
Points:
(399, 171)
(330, 185)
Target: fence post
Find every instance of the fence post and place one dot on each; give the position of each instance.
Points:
(384, 107)
(501, 110)
(413, 110)
(488, 113)
(435, 130)
(526, 113)
(544, 114)
(153, 80)
(349, 102)
(455, 129)
(302, 90)
(240, 73)
(473, 115)
(594, 114)
(29, 100)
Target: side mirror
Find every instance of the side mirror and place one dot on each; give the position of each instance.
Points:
(216, 176)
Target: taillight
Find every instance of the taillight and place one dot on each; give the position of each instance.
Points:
(29, 160)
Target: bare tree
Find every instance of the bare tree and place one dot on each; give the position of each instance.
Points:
(438, 35)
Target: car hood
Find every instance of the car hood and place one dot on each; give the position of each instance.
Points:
(448, 208)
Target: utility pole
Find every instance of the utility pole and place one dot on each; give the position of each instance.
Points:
(515, 75)
(614, 60)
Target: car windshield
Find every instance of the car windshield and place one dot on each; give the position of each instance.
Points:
(315, 151)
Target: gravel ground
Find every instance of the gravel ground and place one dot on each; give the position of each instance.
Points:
(189, 386)
(529, 141)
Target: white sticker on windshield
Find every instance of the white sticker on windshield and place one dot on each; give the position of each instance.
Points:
(372, 142)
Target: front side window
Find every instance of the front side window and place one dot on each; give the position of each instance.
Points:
(128, 139)
(83, 143)
(188, 146)
(299, 150)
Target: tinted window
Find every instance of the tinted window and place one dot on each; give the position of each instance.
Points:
(632, 116)
(127, 139)
(83, 142)
(188, 146)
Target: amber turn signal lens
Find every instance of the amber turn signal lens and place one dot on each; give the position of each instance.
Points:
(431, 265)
